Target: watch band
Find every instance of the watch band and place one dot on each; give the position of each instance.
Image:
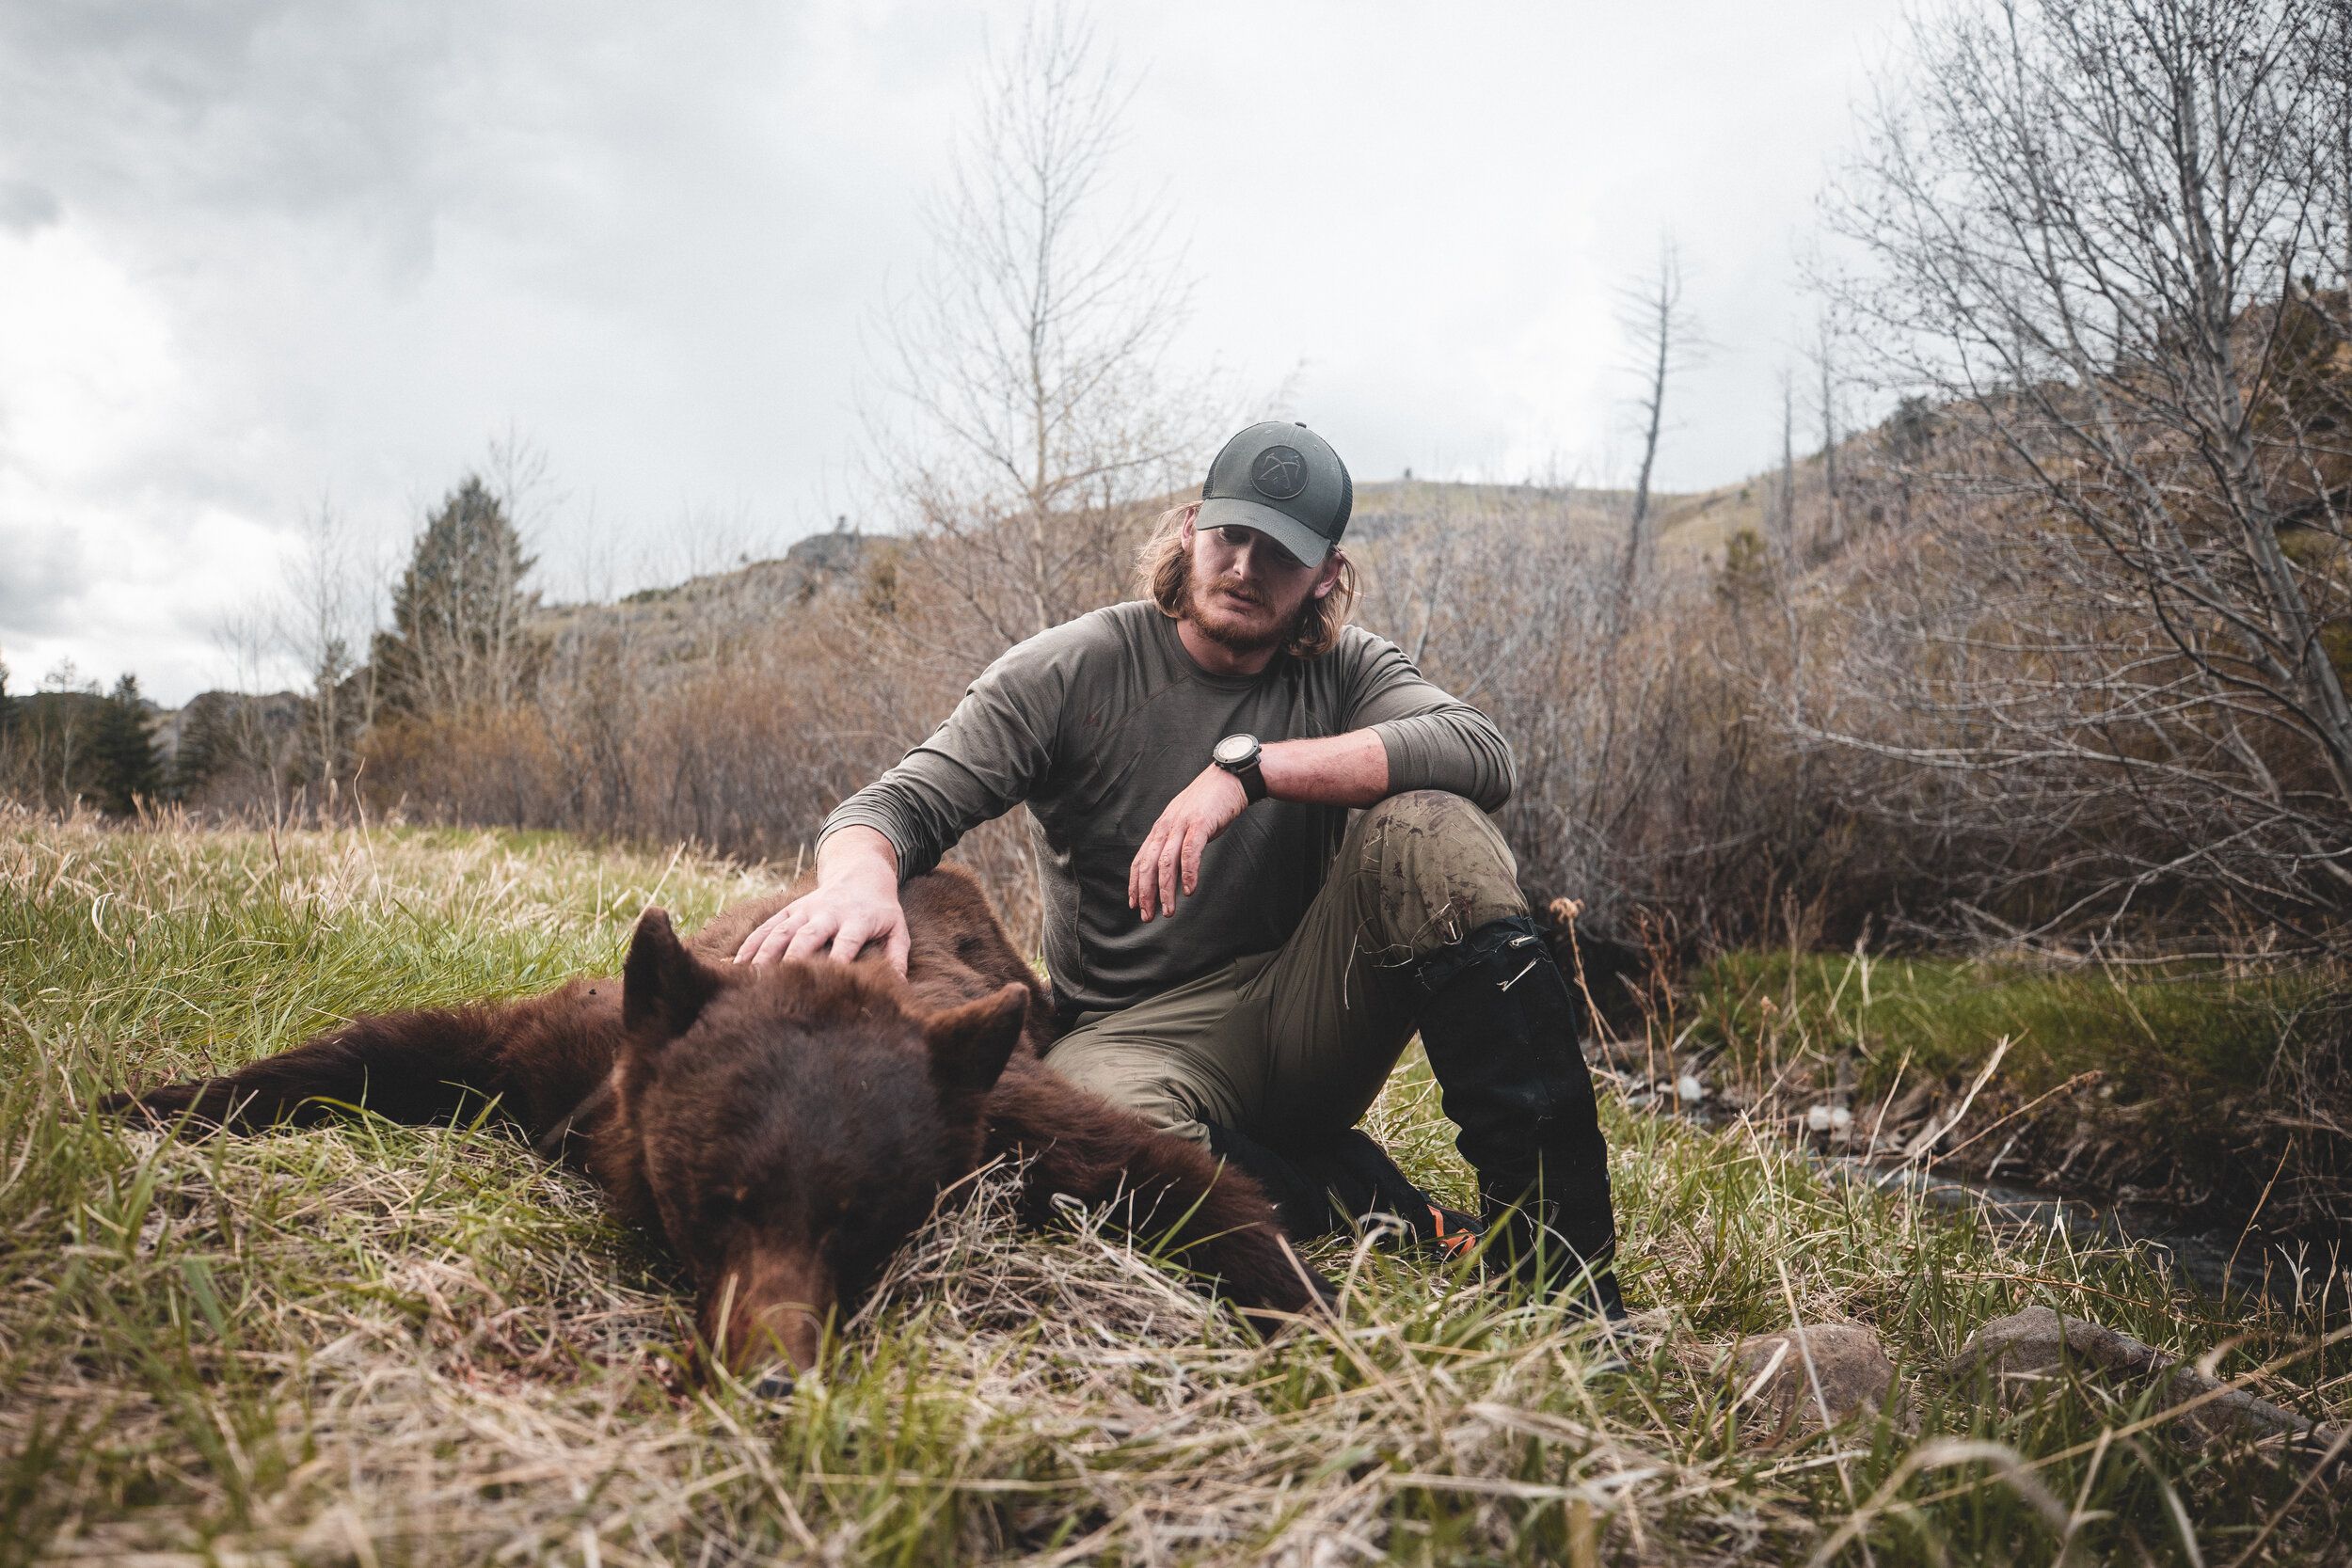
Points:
(1246, 770)
(1252, 781)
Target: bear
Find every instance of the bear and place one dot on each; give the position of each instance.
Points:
(783, 1130)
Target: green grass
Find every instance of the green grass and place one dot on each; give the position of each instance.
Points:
(1944, 1014)
(381, 1344)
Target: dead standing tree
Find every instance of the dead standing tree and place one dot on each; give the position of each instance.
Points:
(1665, 341)
(1035, 422)
(2098, 235)
(1824, 358)
(1784, 521)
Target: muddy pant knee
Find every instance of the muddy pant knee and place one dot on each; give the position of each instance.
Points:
(1136, 1079)
(1431, 868)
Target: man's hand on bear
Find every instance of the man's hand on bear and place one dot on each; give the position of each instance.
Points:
(1170, 856)
(835, 923)
(855, 903)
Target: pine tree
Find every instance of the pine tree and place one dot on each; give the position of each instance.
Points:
(128, 768)
(458, 640)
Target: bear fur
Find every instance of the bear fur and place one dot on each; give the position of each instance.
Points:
(783, 1129)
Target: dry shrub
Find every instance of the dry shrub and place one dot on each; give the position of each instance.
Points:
(1655, 785)
(490, 765)
(1959, 704)
(740, 742)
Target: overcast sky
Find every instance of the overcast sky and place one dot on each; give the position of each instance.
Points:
(255, 254)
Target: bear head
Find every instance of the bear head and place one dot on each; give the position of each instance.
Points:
(795, 1124)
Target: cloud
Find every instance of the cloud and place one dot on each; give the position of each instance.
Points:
(258, 252)
(43, 582)
(202, 127)
(25, 207)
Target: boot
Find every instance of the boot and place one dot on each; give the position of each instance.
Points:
(1502, 1032)
(1323, 1189)
(1361, 1178)
(1299, 1201)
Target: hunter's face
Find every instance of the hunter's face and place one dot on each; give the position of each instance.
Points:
(1246, 592)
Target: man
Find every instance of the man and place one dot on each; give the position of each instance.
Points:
(1232, 957)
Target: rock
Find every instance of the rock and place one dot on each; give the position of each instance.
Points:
(2031, 1347)
(1849, 1373)
(2037, 1341)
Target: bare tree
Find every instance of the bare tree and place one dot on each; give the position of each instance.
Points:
(1784, 518)
(256, 744)
(324, 615)
(2097, 240)
(1665, 341)
(45, 749)
(2333, 59)
(1825, 367)
(1036, 419)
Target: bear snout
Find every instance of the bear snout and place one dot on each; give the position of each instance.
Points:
(773, 1301)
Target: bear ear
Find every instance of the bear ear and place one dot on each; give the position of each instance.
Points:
(971, 1044)
(663, 987)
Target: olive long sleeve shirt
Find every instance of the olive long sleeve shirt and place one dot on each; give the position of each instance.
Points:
(1098, 722)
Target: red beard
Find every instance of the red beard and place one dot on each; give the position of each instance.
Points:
(1233, 618)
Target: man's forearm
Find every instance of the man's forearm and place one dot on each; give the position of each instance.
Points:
(858, 856)
(1350, 770)
(1455, 750)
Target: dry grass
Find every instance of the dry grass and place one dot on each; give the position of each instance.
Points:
(381, 1344)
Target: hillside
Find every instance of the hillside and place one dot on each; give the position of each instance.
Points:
(672, 629)
(692, 619)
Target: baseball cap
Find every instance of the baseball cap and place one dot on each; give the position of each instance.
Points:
(1284, 480)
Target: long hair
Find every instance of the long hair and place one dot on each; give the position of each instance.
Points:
(1164, 573)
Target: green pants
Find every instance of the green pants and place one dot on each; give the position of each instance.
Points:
(1295, 1043)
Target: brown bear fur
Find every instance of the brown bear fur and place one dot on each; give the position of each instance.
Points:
(783, 1129)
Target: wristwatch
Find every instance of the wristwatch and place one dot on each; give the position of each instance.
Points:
(1238, 755)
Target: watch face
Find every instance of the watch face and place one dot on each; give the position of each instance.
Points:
(1235, 750)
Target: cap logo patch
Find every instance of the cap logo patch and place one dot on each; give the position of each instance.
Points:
(1279, 473)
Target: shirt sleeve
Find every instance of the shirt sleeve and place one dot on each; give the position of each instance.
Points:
(985, 759)
(1434, 741)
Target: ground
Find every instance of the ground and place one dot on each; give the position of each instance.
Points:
(381, 1344)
